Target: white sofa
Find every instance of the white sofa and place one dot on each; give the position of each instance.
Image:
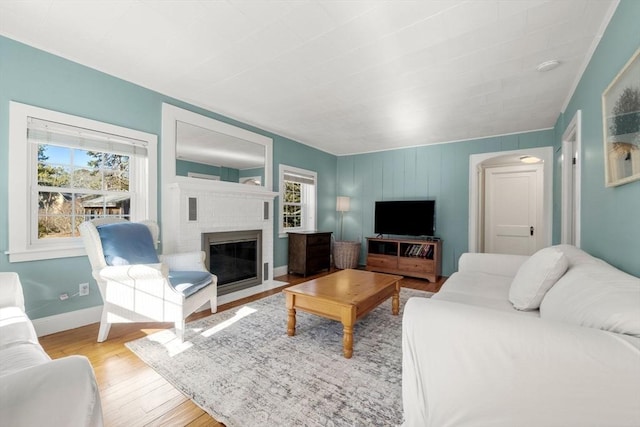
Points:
(35, 390)
(471, 359)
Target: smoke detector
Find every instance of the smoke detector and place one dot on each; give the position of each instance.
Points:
(548, 65)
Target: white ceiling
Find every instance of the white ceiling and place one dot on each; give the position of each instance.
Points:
(345, 76)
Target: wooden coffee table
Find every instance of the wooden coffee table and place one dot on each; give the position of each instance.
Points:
(345, 296)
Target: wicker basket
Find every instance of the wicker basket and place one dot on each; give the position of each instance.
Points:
(346, 254)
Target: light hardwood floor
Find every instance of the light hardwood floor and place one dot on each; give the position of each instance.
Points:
(132, 393)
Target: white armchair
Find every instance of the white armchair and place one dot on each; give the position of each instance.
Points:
(138, 286)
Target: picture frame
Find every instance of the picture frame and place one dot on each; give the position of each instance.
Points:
(621, 125)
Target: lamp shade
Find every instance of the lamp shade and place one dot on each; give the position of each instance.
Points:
(342, 205)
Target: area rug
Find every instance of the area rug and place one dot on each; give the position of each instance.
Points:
(242, 368)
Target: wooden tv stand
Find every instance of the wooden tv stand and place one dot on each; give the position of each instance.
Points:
(407, 257)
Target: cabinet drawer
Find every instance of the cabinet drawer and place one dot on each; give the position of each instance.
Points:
(315, 264)
(319, 239)
(382, 261)
(416, 264)
(318, 251)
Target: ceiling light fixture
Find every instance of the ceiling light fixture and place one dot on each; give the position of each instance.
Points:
(548, 65)
(529, 159)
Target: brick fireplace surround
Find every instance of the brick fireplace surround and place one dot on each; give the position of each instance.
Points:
(196, 208)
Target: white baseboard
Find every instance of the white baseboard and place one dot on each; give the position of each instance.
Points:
(266, 286)
(65, 321)
(75, 319)
(280, 271)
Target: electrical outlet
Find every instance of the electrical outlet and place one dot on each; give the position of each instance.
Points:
(83, 289)
(63, 297)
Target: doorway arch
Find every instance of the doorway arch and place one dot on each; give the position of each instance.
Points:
(476, 190)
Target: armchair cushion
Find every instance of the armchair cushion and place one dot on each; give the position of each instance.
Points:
(126, 243)
(189, 282)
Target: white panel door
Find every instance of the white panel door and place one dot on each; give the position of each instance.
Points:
(513, 211)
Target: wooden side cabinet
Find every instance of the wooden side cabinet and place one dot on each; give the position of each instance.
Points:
(407, 257)
(309, 251)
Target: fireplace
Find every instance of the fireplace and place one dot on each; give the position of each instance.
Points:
(235, 257)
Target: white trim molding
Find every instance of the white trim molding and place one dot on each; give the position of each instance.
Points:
(476, 192)
(309, 200)
(65, 321)
(24, 244)
(571, 177)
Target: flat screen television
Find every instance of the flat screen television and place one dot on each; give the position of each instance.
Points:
(405, 218)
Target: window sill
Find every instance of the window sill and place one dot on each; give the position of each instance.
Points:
(45, 253)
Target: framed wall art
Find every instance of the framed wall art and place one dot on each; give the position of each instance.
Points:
(621, 125)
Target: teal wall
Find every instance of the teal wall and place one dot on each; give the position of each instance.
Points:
(183, 167)
(610, 226)
(290, 153)
(229, 174)
(439, 172)
(31, 76)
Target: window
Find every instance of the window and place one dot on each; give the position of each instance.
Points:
(297, 199)
(65, 170)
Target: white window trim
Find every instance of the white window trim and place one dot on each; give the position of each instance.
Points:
(21, 247)
(310, 221)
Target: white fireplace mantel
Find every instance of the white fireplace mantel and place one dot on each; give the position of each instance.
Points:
(227, 189)
(214, 208)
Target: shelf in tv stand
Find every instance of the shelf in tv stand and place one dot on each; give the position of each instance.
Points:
(406, 257)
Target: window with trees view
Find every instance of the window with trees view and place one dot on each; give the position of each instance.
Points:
(75, 185)
(298, 199)
(76, 170)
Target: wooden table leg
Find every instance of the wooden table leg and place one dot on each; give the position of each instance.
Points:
(395, 300)
(291, 318)
(291, 324)
(348, 320)
(347, 342)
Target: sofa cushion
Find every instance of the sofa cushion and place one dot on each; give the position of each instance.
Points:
(595, 295)
(577, 256)
(479, 289)
(489, 263)
(15, 328)
(21, 356)
(535, 277)
(126, 243)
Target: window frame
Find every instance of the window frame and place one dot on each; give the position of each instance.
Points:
(309, 203)
(24, 244)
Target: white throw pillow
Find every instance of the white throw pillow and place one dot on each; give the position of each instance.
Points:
(535, 277)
